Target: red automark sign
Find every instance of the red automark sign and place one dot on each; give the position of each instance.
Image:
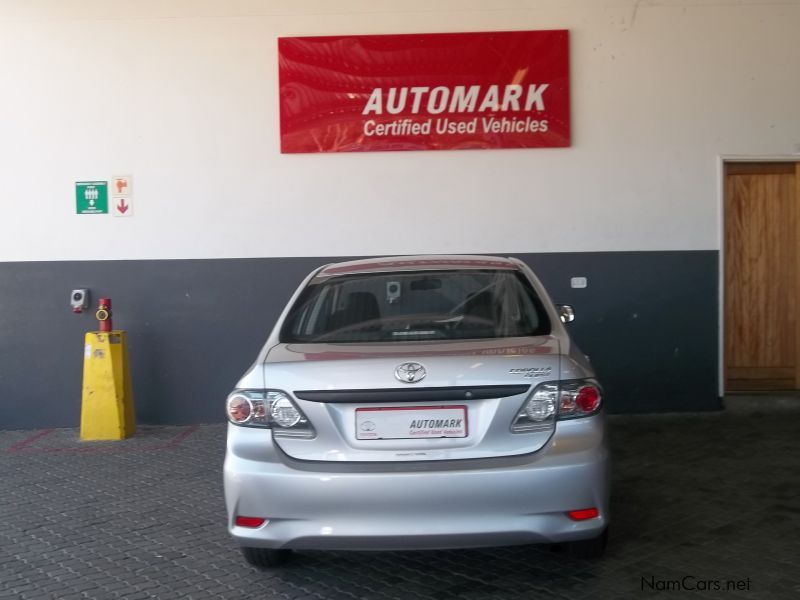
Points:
(442, 91)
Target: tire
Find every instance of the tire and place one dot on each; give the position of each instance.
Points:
(264, 558)
(592, 548)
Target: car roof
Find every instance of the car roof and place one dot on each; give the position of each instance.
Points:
(426, 262)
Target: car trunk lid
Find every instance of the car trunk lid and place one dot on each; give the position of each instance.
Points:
(463, 406)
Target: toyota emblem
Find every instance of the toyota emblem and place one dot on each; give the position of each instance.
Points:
(410, 372)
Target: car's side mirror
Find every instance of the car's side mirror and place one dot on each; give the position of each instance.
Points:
(566, 312)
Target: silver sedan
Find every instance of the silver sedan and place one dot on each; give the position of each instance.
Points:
(417, 402)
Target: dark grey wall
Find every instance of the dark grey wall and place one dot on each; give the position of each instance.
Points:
(647, 319)
(649, 322)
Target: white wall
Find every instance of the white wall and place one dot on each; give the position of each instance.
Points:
(183, 95)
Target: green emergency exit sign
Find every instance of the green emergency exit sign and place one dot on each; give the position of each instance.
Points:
(91, 197)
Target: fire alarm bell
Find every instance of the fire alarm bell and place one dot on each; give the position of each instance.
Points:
(79, 300)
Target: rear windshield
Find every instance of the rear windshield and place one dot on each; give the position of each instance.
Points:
(416, 306)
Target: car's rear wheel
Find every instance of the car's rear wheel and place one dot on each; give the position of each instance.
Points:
(592, 548)
(264, 558)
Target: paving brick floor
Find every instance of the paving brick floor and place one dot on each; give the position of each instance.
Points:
(696, 497)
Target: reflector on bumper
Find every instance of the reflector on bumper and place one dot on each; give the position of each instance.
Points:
(583, 514)
(249, 521)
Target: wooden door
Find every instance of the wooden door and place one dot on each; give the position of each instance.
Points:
(762, 263)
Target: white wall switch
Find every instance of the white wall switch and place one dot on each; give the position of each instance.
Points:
(578, 282)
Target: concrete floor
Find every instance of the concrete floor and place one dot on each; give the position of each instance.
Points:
(699, 501)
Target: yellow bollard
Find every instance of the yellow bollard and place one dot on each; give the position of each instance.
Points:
(107, 400)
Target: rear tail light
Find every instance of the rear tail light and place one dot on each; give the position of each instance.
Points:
(579, 398)
(271, 409)
(550, 401)
(240, 409)
(588, 398)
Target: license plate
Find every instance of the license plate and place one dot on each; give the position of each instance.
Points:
(411, 422)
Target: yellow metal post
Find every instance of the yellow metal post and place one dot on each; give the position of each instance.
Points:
(107, 404)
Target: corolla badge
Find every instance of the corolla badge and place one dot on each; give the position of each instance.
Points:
(531, 372)
(410, 372)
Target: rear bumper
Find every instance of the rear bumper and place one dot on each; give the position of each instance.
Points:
(489, 502)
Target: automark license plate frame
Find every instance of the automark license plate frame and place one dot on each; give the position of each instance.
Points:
(419, 432)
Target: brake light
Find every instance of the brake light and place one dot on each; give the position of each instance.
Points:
(579, 398)
(588, 398)
(550, 401)
(271, 409)
(240, 409)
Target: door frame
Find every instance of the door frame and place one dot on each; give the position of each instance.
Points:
(722, 159)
